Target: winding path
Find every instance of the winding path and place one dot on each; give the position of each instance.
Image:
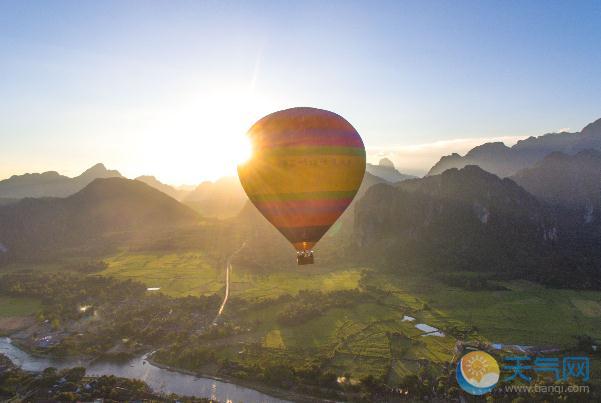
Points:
(228, 269)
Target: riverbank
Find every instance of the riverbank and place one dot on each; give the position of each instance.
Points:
(27, 347)
(162, 381)
(86, 360)
(259, 387)
(72, 384)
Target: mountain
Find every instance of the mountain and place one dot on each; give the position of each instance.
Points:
(111, 208)
(466, 220)
(386, 170)
(572, 181)
(469, 220)
(571, 185)
(51, 184)
(223, 198)
(176, 193)
(505, 161)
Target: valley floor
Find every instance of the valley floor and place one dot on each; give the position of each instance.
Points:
(335, 333)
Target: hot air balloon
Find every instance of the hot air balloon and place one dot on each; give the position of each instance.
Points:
(306, 167)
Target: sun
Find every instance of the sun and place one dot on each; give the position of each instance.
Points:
(202, 136)
(476, 367)
(241, 150)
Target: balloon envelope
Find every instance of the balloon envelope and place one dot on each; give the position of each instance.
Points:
(306, 167)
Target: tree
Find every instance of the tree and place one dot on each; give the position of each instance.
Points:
(74, 374)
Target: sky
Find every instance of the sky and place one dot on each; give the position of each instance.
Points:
(169, 88)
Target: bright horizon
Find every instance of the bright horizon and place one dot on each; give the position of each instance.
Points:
(169, 89)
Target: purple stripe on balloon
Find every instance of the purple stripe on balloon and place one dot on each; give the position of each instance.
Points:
(306, 210)
(303, 205)
(304, 234)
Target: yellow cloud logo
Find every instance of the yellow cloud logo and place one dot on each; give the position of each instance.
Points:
(477, 372)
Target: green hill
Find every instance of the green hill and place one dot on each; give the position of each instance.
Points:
(112, 209)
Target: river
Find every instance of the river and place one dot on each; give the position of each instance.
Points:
(160, 380)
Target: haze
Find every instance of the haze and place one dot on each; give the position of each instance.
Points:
(170, 88)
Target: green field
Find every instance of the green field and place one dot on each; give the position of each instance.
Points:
(177, 274)
(360, 339)
(37, 267)
(372, 338)
(189, 273)
(260, 286)
(10, 307)
(365, 334)
(526, 314)
(363, 338)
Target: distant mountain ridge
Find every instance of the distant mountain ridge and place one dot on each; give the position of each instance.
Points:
(176, 193)
(51, 183)
(223, 198)
(505, 161)
(387, 171)
(572, 181)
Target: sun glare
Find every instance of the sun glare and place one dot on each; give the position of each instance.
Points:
(204, 136)
(242, 150)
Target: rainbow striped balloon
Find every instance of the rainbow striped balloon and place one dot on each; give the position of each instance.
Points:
(306, 167)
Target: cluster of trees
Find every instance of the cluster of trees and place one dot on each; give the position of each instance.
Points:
(69, 287)
(310, 379)
(193, 354)
(125, 311)
(471, 281)
(88, 266)
(188, 354)
(309, 304)
(64, 293)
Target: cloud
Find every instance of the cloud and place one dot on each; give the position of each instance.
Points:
(564, 129)
(419, 158)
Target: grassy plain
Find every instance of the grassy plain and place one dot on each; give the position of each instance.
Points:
(372, 338)
(16, 313)
(367, 336)
(360, 339)
(37, 267)
(190, 273)
(247, 285)
(177, 274)
(525, 314)
(10, 306)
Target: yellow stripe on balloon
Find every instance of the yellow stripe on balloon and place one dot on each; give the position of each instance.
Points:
(292, 174)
